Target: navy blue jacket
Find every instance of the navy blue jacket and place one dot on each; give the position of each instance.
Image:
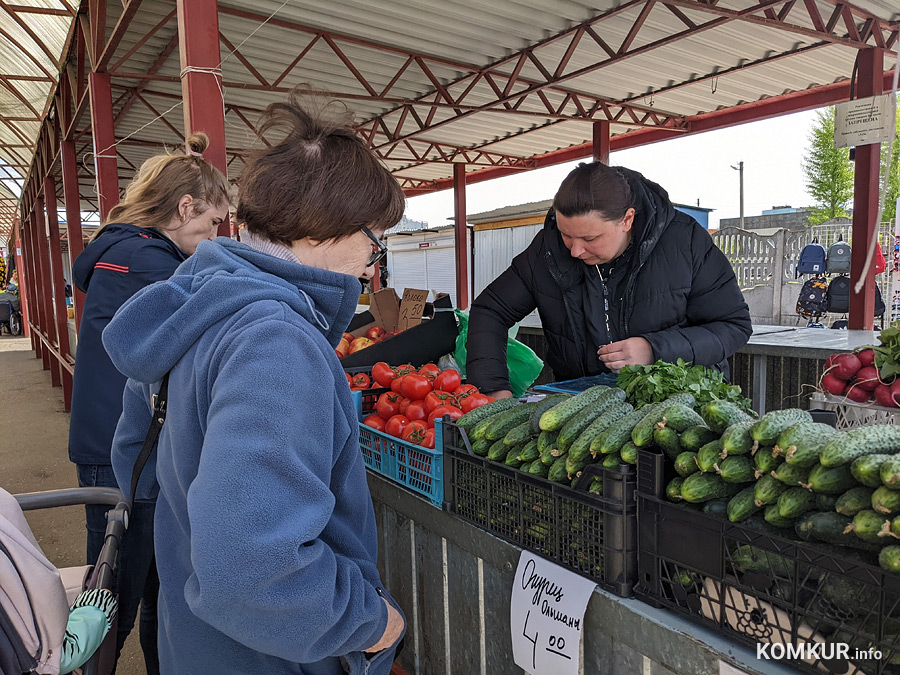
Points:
(122, 260)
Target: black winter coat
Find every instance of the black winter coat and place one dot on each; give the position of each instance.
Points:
(678, 291)
(122, 260)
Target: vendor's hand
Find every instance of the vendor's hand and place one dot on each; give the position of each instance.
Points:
(634, 351)
(503, 393)
(392, 631)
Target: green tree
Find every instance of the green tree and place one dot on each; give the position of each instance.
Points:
(893, 187)
(829, 172)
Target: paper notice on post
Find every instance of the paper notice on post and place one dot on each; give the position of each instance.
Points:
(547, 616)
(864, 121)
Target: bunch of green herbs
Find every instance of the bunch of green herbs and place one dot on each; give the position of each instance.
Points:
(887, 355)
(657, 382)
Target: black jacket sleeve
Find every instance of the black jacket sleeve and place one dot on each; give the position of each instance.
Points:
(505, 302)
(718, 319)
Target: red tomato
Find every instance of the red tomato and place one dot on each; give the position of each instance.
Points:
(405, 369)
(360, 381)
(454, 412)
(383, 374)
(448, 380)
(349, 381)
(375, 385)
(388, 405)
(374, 421)
(415, 387)
(428, 441)
(473, 401)
(404, 404)
(416, 411)
(396, 382)
(396, 425)
(415, 432)
(464, 390)
(430, 371)
(437, 398)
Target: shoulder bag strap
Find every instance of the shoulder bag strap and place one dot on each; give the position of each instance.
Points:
(159, 417)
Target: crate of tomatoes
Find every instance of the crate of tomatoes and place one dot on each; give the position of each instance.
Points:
(401, 408)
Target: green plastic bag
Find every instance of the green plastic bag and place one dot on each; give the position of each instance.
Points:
(523, 364)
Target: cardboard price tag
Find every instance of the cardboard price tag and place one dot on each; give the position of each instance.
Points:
(412, 306)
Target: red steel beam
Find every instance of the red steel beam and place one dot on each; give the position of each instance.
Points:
(601, 141)
(461, 236)
(54, 58)
(204, 103)
(865, 199)
(129, 9)
(105, 164)
(140, 43)
(30, 278)
(42, 282)
(75, 236)
(57, 279)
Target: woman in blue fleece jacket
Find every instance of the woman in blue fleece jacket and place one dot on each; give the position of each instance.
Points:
(266, 543)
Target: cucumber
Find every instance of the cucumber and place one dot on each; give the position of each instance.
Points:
(696, 437)
(795, 501)
(736, 439)
(512, 458)
(891, 528)
(709, 455)
(717, 507)
(500, 425)
(742, 505)
(792, 476)
(701, 487)
(866, 525)
(614, 437)
(547, 457)
(667, 440)
(612, 461)
(582, 445)
(885, 500)
(556, 418)
(481, 447)
(854, 500)
(497, 451)
(737, 469)
(829, 528)
(889, 558)
(538, 468)
(642, 435)
(596, 487)
(746, 558)
(581, 421)
(629, 453)
(890, 473)
(768, 489)
(826, 502)
(525, 467)
(547, 445)
(680, 418)
(773, 517)
(767, 430)
(875, 439)
(720, 415)
(557, 472)
(529, 452)
(686, 464)
(801, 444)
(673, 489)
(766, 461)
(518, 435)
(867, 469)
(574, 466)
(830, 481)
(543, 406)
(470, 419)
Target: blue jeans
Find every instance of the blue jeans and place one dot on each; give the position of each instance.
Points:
(138, 583)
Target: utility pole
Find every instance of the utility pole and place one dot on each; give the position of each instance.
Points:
(740, 168)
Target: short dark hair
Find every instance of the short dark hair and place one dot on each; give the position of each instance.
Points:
(594, 187)
(320, 180)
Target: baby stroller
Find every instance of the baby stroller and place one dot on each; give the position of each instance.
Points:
(34, 606)
(11, 317)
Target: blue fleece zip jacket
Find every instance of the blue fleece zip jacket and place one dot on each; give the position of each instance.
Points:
(122, 260)
(265, 533)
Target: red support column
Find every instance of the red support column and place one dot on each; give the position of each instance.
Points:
(601, 141)
(870, 82)
(103, 130)
(201, 79)
(37, 230)
(24, 298)
(461, 236)
(49, 322)
(376, 280)
(28, 277)
(57, 279)
(73, 218)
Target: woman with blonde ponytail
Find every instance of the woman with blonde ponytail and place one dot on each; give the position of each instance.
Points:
(175, 201)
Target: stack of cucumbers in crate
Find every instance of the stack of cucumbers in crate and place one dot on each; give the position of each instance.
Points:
(796, 477)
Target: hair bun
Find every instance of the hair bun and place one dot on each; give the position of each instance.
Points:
(197, 142)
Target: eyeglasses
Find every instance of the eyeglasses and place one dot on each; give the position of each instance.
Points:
(380, 249)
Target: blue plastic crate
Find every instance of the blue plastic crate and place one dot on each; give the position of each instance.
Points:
(579, 385)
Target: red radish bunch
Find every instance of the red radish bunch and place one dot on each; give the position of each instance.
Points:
(855, 376)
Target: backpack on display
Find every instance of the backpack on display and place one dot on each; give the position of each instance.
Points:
(838, 258)
(839, 297)
(812, 259)
(812, 300)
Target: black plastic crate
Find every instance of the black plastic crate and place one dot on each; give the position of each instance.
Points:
(590, 534)
(757, 587)
(369, 397)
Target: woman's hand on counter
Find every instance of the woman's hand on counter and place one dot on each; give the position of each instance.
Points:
(503, 393)
(634, 351)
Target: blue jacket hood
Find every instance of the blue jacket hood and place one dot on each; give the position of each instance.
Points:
(154, 329)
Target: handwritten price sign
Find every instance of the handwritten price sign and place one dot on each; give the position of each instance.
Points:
(547, 616)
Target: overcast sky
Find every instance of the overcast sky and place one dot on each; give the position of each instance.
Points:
(691, 168)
